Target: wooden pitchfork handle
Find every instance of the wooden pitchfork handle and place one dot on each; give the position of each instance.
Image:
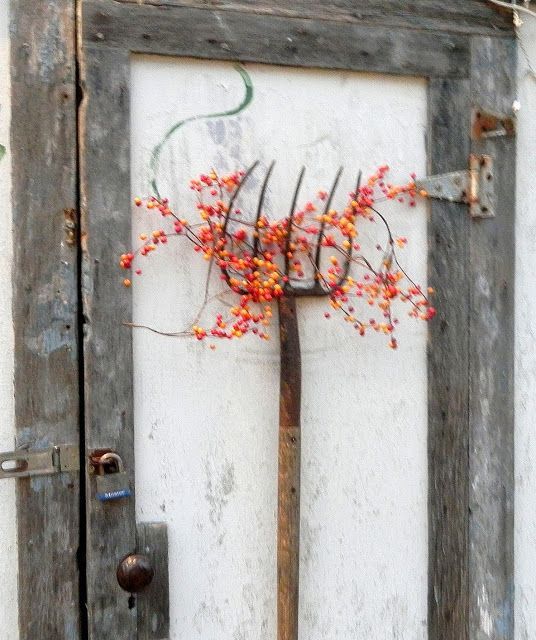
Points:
(288, 519)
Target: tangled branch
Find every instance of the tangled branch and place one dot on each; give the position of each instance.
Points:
(314, 250)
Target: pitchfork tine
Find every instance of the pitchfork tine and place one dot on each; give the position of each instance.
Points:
(291, 218)
(235, 195)
(256, 235)
(229, 212)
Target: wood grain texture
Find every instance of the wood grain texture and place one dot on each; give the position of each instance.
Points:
(448, 370)
(250, 37)
(471, 415)
(105, 218)
(461, 16)
(288, 521)
(44, 197)
(153, 603)
(491, 400)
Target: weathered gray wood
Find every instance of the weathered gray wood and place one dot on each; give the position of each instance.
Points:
(43, 147)
(105, 218)
(238, 35)
(461, 16)
(471, 415)
(153, 603)
(448, 370)
(491, 330)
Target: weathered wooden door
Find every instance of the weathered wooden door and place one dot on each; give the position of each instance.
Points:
(407, 464)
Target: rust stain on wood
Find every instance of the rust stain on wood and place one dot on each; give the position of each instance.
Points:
(70, 226)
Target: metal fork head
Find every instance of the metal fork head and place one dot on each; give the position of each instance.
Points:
(319, 286)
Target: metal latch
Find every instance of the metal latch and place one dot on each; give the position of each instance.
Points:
(43, 462)
(474, 186)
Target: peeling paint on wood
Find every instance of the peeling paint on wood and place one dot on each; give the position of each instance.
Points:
(43, 145)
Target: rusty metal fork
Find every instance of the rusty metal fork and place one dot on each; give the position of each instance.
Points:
(288, 518)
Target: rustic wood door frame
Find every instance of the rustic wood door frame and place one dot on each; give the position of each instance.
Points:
(467, 53)
(471, 261)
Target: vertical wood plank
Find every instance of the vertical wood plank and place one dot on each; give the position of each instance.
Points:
(491, 407)
(153, 602)
(106, 224)
(448, 370)
(471, 416)
(43, 144)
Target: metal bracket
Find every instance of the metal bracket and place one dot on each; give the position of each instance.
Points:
(474, 186)
(44, 462)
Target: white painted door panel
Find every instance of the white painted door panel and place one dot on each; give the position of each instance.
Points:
(207, 421)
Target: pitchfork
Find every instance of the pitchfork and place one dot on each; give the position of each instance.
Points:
(288, 522)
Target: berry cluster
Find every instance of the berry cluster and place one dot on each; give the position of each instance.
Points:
(262, 260)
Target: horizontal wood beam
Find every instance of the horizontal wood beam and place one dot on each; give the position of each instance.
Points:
(459, 16)
(251, 37)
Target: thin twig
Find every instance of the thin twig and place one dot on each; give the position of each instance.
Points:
(171, 334)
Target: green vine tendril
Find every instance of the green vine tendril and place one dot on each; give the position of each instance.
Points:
(155, 157)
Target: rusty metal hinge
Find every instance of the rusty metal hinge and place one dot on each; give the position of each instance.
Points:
(474, 186)
(43, 462)
(490, 125)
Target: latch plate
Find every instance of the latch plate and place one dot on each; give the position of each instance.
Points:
(474, 186)
(43, 462)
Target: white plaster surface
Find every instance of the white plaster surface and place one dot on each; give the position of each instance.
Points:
(206, 422)
(525, 538)
(8, 550)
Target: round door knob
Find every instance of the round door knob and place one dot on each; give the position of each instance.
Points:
(135, 572)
